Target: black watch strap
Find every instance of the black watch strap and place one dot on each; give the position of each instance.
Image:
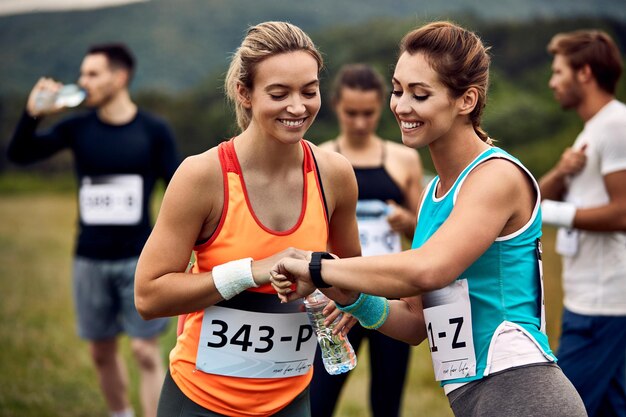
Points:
(315, 268)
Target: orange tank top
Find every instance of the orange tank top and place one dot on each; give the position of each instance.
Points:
(240, 235)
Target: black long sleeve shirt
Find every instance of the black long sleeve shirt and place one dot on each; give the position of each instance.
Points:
(116, 166)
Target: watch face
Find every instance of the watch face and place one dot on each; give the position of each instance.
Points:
(322, 255)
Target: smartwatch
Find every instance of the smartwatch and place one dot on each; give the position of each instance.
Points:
(315, 268)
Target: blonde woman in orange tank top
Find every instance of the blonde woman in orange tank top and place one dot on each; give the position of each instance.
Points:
(240, 207)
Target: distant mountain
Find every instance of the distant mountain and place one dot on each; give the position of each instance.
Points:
(180, 42)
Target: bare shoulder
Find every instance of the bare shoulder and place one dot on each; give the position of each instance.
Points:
(329, 145)
(504, 190)
(201, 168)
(195, 195)
(504, 166)
(331, 162)
(198, 179)
(337, 176)
(401, 153)
(500, 175)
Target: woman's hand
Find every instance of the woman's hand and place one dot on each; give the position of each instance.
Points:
(400, 219)
(289, 271)
(294, 270)
(261, 269)
(345, 323)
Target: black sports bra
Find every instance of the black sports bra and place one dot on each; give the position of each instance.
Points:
(375, 183)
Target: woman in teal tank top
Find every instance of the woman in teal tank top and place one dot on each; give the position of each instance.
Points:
(472, 283)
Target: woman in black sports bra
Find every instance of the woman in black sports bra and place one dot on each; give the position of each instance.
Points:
(389, 177)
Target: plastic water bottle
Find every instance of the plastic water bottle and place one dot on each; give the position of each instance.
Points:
(70, 95)
(337, 352)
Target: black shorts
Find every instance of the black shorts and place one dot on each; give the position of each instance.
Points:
(174, 402)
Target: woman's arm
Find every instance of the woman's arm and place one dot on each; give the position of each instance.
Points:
(162, 288)
(401, 312)
(496, 199)
(191, 208)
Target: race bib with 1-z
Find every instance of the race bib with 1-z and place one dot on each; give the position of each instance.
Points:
(111, 200)
(255, 345)
(447, 313)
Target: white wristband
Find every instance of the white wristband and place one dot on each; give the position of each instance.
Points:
(558, 213)
(233, 277)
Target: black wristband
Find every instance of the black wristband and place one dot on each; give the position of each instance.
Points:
(315, 268)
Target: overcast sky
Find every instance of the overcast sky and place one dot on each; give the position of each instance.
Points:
(30, 6)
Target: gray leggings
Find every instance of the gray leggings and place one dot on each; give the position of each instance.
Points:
(173, 403)
(536, 390)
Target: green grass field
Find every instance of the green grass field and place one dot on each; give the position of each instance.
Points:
(45, 369)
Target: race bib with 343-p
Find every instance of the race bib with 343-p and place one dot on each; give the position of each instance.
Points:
(250, 344)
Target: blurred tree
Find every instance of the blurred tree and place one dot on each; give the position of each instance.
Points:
(521, 113)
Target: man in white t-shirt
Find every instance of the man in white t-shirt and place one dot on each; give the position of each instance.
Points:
(585, 196)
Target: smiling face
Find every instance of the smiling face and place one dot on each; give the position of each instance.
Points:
(567, 91)
(358, 112)
(420, 102)
(285, 97)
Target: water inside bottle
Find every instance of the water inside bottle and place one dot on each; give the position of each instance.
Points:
(337, 353)
(70, 95)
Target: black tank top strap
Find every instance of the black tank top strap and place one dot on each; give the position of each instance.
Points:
(374, 182)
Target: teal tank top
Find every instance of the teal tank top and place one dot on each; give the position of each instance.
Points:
(503, 286)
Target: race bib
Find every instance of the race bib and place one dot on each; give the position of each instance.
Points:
(375, 235)
(567, 241)
(111, 200)
(448, 318)
(255, 345)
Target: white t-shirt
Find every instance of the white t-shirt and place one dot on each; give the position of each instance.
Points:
(594, 277)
